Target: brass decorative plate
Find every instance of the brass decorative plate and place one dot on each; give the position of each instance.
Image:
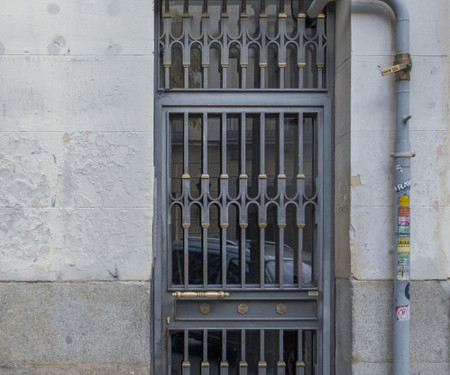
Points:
(281, 309)
(204, 308)
(242, 309)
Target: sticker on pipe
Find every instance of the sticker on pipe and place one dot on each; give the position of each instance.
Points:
(403, 211)
(403, 245)
(404, 201)
(403, 186)
(402, 312)
(403, 220)
(403, 229)
(403, 272)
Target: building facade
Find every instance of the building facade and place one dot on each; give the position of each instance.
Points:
(132, 141)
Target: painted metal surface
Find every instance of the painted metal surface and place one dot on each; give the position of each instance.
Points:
(244, 271)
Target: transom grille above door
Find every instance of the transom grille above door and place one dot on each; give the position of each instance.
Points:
(232, 44)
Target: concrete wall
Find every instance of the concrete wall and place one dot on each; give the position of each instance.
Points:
(76, 186)
(365, 105)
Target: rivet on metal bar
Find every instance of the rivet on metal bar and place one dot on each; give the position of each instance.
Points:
(300, 364)
(180, 294)
(263, 65)
(185, 176)
(204, 364)
(301, 65)
(281, 225)
(167, 15)
(205, 15)
(244, 15)
(205, 176)
(243, 176)
(243, 364)
(186, 15)
(186, 364)
(300, 176)
(262, 176)
(167, 65)
(224, 364)
(282, 15)
(244, 65)
(224, 176)
(282, 176)
(205, 225)
(224, 65)
(262, 225)
(186, 65)
(282, 65)
(243, 225)
(301, 15)
(224, 15)
(262, 364)
(224, 225)
(321, 15)
(301, 225)
(205, 65)
(320, 65)
(263, 15)
(281, 364)
(186, 225)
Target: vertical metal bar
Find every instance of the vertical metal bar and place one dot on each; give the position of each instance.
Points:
(262, 197)
(299, 364)
(243, 181)
(186, 365)
(186, 192)
(282, 16)
(243, 365)
(301, 60)
(204, 194)
(300, 195)
(167, 51)
(281, 364)
(320, 49)
(263, 47)
(169, 352)
(224, 197)
(224, 363)
(281, 220)
(262, 364)
(244, 47)
(224, 60)
(186, 45)
(205, 49)
(205, 364)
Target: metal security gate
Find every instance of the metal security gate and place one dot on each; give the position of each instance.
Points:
(243, 144)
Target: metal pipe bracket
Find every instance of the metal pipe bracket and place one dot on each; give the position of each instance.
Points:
(402, 67)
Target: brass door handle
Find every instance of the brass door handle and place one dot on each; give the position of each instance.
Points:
(220, 294)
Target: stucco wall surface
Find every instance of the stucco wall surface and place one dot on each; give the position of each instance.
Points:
(76, 140)
(372, 138)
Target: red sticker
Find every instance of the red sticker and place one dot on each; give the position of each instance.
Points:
(403, 211)
(402, 312)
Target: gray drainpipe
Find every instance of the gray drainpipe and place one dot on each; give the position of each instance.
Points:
(402, 182)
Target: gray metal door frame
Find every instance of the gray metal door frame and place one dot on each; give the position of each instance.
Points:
(316, 100)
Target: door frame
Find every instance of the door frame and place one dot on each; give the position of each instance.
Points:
(314, 98)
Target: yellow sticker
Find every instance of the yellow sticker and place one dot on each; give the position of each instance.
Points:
(404, 201)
